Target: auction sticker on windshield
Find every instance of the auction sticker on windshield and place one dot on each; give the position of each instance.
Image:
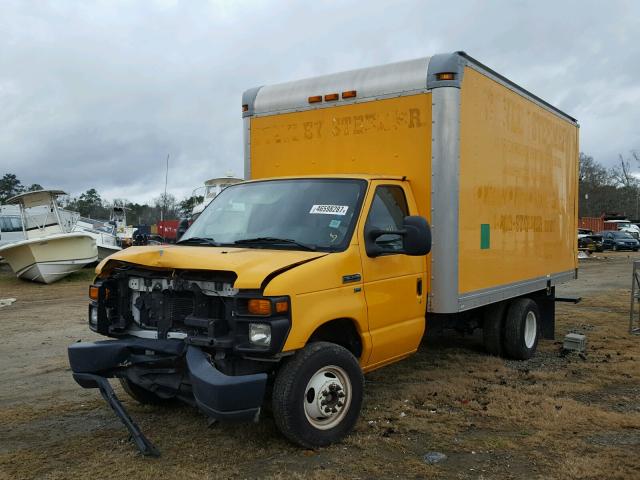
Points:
(329, 209)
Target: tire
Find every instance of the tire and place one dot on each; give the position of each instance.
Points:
(520, 337)
(319, 372)
(142, 395)
(492, 328)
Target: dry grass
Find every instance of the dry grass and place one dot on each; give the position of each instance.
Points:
(553, 417)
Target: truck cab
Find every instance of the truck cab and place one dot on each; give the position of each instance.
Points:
(269, 269)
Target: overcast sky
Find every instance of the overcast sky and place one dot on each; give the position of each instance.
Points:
(98, 93)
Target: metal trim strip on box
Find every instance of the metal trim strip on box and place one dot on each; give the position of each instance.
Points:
(486, 296)
(445, 183)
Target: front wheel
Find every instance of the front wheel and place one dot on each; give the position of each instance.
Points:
(317, 395)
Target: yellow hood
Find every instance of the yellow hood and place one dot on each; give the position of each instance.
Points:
(252, 265)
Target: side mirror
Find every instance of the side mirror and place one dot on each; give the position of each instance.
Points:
(416, 238)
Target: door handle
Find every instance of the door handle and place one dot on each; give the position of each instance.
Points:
(355, 277)
(419, 287)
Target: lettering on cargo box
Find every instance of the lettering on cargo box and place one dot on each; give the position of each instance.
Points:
(340, 126)
(525, 223)
(497, 196)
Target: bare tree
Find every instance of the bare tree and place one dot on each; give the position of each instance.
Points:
(622, 174)
(592, 174)
(613, 190)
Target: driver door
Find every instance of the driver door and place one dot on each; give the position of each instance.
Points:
(394, 283)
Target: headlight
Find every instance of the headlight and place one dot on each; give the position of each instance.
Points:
(260, 334)
(93, 316)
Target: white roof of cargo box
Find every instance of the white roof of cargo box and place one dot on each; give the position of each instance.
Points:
(400, 77)
(393, 79)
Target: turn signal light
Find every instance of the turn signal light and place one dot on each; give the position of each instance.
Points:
(331, 97)
(259, 306)
(349, 94)
(282, 307)
(315, 99)
(445, 76)
(94, 291)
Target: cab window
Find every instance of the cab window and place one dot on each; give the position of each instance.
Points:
(388, 209)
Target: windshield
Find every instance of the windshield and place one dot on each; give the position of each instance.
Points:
(313, 214)
(622, 235)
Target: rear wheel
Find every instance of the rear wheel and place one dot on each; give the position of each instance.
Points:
(492, 328)
(317, 395)
(521, 329)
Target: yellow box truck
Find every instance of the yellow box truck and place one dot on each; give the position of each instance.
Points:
(379, 200)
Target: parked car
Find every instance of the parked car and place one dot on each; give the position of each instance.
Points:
(588, 240)
(617, 240)
(626, 226)
(592, 243)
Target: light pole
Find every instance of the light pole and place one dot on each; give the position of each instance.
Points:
(586, 203)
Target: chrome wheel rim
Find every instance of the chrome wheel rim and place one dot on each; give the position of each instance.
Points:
(327, 397)
(530, 329)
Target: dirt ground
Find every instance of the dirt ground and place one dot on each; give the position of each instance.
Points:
(555, 416)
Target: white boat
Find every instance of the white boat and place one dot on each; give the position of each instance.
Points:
(123, 232)
(211, 190)
(51, 250)
(104, 234)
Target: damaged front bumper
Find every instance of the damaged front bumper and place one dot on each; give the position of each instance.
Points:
(190, 376)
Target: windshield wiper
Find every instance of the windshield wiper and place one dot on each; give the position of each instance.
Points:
(198, 241)
(275, 241)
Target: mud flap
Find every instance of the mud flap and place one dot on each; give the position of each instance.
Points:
(88, 380)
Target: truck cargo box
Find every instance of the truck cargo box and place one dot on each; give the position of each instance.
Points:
(492, 166)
